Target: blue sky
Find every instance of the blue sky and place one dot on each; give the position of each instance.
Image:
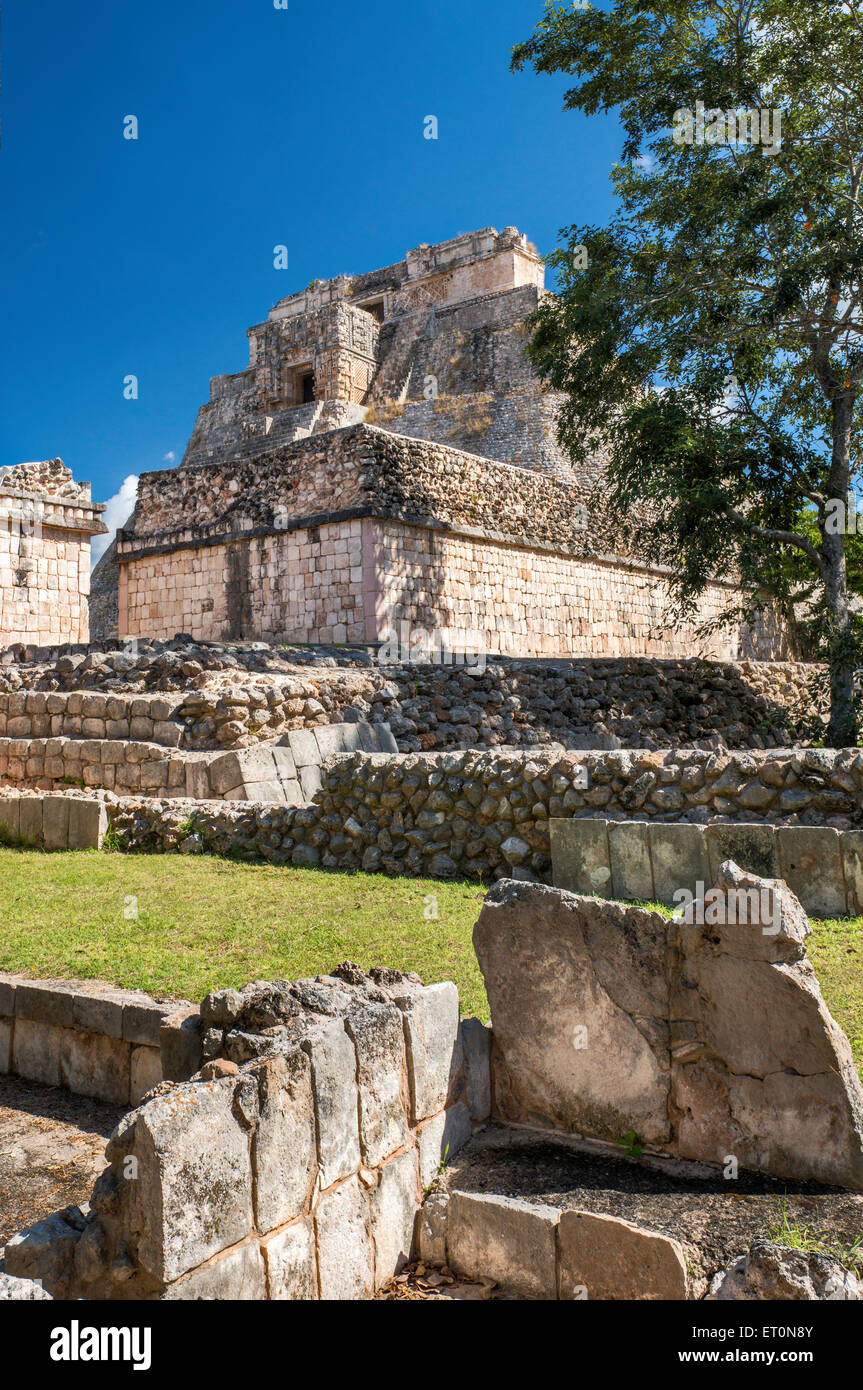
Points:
(257, 127)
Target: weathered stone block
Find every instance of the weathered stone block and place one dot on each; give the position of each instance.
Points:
(5, 1045)
(237, 1277)
(145, 1072)
(752, 847)
(55, 821)
(811, 865)
(852, 869)
(283, 1147)
(629, 855)
(376, 1031)
(505, 1239)
(194, 1188)
(292, 1271)
(392, 1208)
(30, 819)
(334, 1066)
(88, 822)
(430, 1232)
(433, 1046)
(578, 995)
(345, 1250)
(603, 1257)
(476, 1044)
(36, 1051)
(304, 746)
(93, 1065)
(440, 1139)
(679, 858)
(580, 856)
(10, 817)
(180, 1044)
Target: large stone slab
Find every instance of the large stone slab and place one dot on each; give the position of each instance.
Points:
(579, 999)
(434, 1047)
(580, 855)
(505, 1239)
(283, 1149)
(346, 1260)
(376, 1030)
(810, 861)
(679, 857)
(752, 847)
(603, 1257)
(193, 1194)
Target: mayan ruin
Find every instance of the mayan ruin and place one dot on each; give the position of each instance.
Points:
(431, 757)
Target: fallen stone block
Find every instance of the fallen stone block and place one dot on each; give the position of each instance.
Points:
(579, 1003)
(505, 1239)
(603, 1257)
(21, 1290)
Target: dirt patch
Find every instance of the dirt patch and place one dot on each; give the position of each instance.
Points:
(715, 1219)
(52, 1148)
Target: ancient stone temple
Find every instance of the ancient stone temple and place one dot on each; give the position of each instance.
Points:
(46, 521)
(388, 462)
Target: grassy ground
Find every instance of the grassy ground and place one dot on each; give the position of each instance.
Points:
(206, 923)
(180, 926)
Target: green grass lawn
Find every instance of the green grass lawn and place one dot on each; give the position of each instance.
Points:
(205, 923)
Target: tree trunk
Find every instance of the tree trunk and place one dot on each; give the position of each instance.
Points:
(842, 730)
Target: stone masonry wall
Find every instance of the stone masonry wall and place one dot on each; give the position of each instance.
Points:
(46, 521)
(326, 1106)
(485, 816)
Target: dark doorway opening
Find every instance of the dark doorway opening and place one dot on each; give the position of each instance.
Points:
(307, 387)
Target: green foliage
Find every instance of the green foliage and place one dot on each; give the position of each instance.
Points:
(711, 336)
(786, 1230)
(631, 1145)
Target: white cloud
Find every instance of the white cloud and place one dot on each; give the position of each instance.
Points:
(169, 457)
(117, 511)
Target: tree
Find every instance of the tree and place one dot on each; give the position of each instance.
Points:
(710, 335)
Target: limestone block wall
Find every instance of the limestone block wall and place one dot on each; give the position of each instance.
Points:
(46, 521)
(346, 1094)
(286, 772)
(528, 602)
(99, 1041)
(316, 542)
(306, 585)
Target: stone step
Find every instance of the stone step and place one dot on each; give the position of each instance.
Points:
(287, 772)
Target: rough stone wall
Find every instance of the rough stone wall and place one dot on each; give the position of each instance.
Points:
(325, 1108)
(484, 816)
(504, 600)
(528, 565)
(46, 521)
(305, 585)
